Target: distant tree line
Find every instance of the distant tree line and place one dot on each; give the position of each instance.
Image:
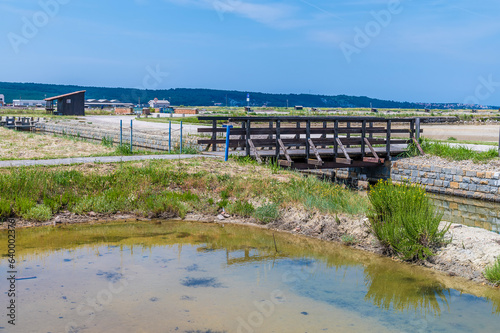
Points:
(206, 97)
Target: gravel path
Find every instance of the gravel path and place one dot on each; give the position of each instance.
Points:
(101, 159)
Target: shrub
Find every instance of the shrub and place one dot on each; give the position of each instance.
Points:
(241, 208)
(123, 149)
(348, 239)
(267, 213)
(404, 219)
(492, 273)
(5, 209)
(38, 213)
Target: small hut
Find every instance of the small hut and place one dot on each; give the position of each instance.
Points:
(72, 104)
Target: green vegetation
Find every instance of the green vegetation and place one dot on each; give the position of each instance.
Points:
(267, 213)
(458, 153)
(492, 273)
(167, 189)
(404, 219)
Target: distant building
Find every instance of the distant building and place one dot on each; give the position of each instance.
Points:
(299, 107)
(72, 104)
(104, 103)
(20, 103)
(2, 100)
(159, 104)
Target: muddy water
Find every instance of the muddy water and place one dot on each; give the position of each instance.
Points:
(190, 277)
(474, 213)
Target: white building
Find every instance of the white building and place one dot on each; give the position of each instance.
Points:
(159, 104)
(28, 102)
(2, 100)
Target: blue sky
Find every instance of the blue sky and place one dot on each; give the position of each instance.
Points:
(408, 50)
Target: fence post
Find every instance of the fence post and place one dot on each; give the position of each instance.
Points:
(180, 148)
(228, 133)
(131, 132)
(121, 132)
(388, 140)
(169, 136)
(417, 130)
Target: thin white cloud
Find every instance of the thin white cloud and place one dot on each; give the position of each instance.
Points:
(273, 14)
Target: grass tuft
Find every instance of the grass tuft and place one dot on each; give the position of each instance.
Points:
(267, 213)
(492, 273)
(405, 220)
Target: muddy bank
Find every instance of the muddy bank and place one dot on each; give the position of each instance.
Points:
(466, 255)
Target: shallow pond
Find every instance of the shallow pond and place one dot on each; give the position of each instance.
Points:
(168, 276)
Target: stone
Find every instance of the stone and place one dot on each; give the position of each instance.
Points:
(454, 185)
(470, 173)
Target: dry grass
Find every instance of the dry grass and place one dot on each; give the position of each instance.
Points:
(24, 145)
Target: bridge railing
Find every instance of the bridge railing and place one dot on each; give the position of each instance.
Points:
(341, 140)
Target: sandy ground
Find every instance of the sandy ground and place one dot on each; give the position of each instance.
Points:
(483, 132)
(25, 145)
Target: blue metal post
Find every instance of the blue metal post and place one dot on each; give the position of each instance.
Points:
(131, 131)
(228, 131)
(121, 132)
(181, 139)
(169, 136)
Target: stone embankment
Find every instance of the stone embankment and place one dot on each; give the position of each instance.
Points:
(443, 177)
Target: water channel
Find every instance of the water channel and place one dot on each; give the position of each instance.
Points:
(166, 276)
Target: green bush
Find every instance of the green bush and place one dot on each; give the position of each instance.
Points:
(241, 208)
(38, 213)
(404, 219)
(267, 213)
(123, 149)
(492, 273)
(5, 209)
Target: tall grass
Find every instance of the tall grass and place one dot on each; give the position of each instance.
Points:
(405, 220)
(166, 188)
(455, 153)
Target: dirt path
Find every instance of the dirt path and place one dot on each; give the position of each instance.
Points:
(485, 133)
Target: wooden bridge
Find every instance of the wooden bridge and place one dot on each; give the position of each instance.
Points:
(314, 142)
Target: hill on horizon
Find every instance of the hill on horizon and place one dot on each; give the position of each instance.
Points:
(207, 97)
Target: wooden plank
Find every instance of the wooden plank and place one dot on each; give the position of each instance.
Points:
(341, 146)
(373, 160)
(315, 162)
(255, 153)
(316, 153)
(285, 152)
(342, 161)
(418, 146)
(371, 149)
(285, 163)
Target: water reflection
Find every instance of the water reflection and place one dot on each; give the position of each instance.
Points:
(393, 288)
(323, 272)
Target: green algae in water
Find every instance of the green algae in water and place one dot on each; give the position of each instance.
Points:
(142, 276)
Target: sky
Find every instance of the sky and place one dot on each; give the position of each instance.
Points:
(408, 50)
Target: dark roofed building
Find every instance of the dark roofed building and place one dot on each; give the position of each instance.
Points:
(72, 104)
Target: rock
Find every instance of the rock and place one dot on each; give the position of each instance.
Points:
(221, 217)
